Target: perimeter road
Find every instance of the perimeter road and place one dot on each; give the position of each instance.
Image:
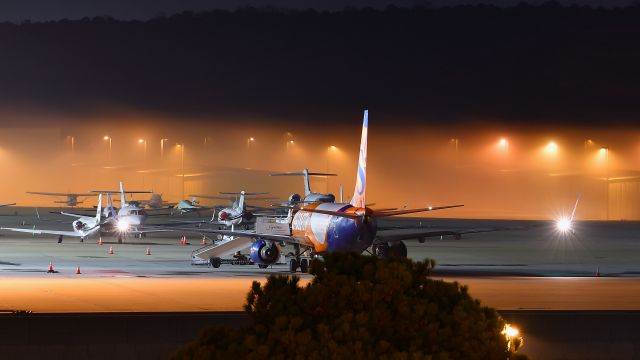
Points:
(81, 293)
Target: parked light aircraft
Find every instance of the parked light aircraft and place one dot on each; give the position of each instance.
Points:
(186, 206)
(320, 228)
(237, 213)
(130, 217)
(233, 215)
(72, 199)
(155, 202)
(83, 226)
(309, 196)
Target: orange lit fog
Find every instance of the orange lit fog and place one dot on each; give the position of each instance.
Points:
(495, 173)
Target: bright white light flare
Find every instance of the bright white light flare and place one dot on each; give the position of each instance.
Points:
(123, 225)
(563, 225)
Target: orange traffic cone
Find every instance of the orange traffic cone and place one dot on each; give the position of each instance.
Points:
(78, 270)
(148, 251)
(184, 240)
(100, 241)
(50, 267)
(204, 240)
(110, 250)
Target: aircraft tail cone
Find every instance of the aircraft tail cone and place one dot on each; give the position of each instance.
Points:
(100, 241)
(148, 251)
(50, 271)
(78, 270)
(110, 250)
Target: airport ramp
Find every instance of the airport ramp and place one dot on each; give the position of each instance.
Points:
(225, 247)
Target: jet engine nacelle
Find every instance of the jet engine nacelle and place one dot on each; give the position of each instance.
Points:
(79, 225)
(247, 216)
(295, 198)
(264, 252)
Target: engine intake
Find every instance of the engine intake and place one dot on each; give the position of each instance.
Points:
(79, 225)
(264, 252)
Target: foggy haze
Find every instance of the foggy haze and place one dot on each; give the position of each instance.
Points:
(412, 166)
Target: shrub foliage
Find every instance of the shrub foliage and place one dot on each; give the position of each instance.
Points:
(362, 308)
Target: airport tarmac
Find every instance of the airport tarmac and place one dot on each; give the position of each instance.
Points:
(525, 266)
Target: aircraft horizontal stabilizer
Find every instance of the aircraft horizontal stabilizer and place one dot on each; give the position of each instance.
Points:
(302, 174)
(118, 192)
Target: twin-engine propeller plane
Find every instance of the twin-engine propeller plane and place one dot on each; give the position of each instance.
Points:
(320, 228)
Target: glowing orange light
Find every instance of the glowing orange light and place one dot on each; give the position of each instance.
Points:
(251, 139)
(290, 141)
(106, 137)
(551, 148)
(503, 144)
(140, 141)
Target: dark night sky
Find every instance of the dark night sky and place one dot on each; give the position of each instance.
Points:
(37, 10)
(522, 65)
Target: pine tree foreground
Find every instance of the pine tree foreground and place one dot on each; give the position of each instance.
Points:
(360, 307)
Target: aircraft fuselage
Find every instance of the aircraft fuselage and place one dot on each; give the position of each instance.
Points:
(331, 233)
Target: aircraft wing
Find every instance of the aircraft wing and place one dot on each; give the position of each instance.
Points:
(58, 194)
(392, 212)
(395, 237)
(390, 238)
(40, 232)
(69, 214)
(250, 234)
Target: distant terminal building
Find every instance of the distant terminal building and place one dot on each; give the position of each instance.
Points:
(624, 198)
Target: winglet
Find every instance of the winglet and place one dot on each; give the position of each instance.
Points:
(359, 198)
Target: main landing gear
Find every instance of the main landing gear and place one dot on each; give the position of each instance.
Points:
(393, 250)
(298, 261)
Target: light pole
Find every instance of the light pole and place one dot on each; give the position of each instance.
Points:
(182, 166)
(587, 144)
(144, 143)
(162, 149)
(290, 142)
(330, 149)
(109, 139)
(605, 151)
(455, 142)
(72, 139)
(248, 153)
